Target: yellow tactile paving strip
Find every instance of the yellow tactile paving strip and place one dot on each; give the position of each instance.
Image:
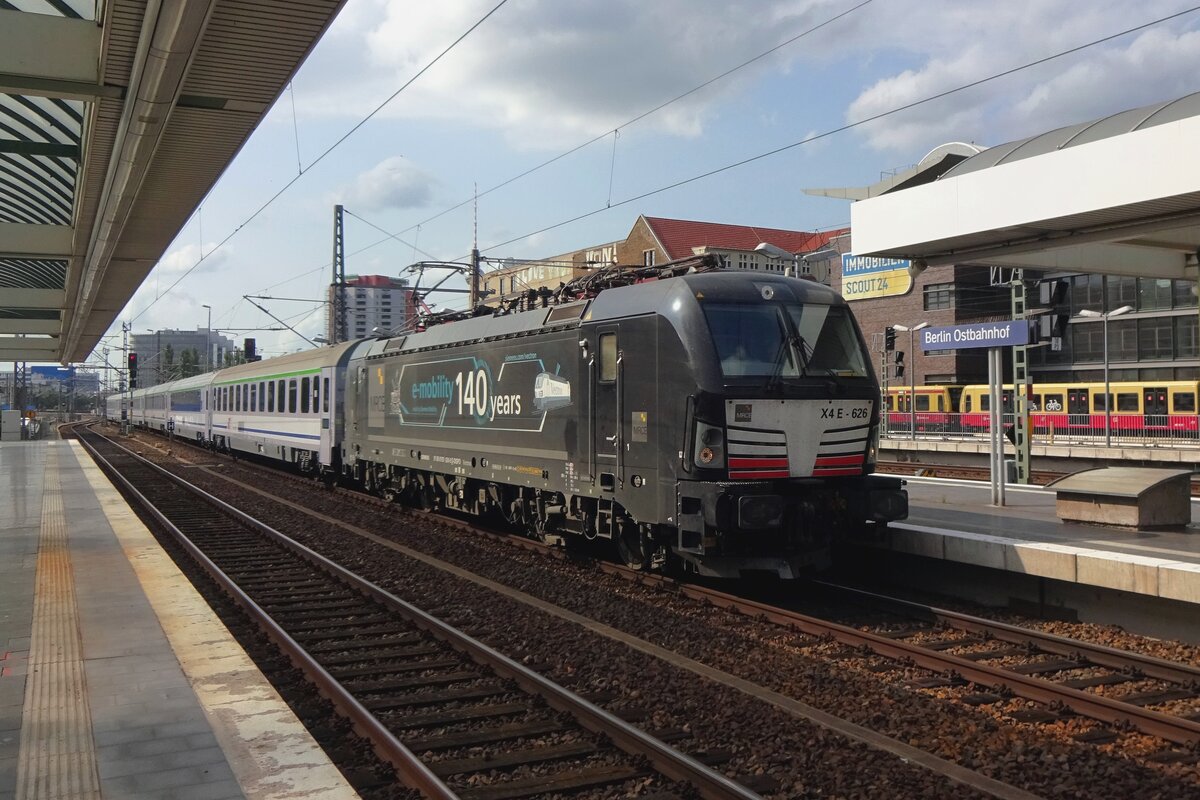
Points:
(268, 748)
(57, 757)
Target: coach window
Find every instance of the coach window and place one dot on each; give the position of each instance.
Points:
(292, 396)
(281, 392)
(245, 397)
(270, 397)
(254, 397)
(608, 356)
(304, 395)
(262, 396)
(1184, 402)
(325, 396)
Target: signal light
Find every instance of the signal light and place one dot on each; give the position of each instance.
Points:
(889, 339)
(249, 347)
(133, 370)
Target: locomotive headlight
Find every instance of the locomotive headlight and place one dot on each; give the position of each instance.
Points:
(710, 446)
(873, 448)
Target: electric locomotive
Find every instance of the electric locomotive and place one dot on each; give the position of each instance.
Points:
(723, 421)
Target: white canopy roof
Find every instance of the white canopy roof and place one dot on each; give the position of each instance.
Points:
(1119, 195)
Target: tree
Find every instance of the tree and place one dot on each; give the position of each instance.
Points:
(168, 364)
(189, 363)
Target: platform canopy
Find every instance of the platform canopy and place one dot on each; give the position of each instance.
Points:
(112, 130)
(1119, 195)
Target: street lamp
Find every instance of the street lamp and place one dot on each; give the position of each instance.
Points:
(1116, 312)
(208, 359)
(772, 251)
(912, 376)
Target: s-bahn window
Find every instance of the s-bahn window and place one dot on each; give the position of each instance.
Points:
(1184, 402)
(922, 402)
(608, 357)
(1054, 402)
(292, 396)
(325, 396)
(304, 395)
(1098, 401)
(1127, 401)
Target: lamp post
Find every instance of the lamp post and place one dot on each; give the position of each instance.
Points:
(1116, 312)
(772, 251)
(912, 376)
(208, 359)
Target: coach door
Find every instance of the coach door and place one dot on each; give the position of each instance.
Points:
(1154, 406)
(1079, 412)
(324, 404)
(606, 409)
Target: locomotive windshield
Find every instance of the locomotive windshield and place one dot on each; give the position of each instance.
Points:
(785, 340)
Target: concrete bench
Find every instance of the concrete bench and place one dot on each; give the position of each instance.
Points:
(1131, 497)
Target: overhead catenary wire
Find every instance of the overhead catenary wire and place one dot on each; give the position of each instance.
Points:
(848, 126)
(322, 156)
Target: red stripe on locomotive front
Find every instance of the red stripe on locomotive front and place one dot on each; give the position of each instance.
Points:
(837, 461)
(751, 463)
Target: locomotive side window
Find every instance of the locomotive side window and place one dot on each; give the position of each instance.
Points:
(608, 357)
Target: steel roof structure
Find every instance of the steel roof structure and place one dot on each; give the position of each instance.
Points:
(1119, 195)
(116, 118)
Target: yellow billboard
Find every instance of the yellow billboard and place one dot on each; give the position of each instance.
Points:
(864, 277)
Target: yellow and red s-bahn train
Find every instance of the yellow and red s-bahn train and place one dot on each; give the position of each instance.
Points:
(1138, 408)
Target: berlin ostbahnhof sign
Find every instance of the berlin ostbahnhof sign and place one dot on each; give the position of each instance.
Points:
(1004, 333)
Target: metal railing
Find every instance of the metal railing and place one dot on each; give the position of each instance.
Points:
(1158, 430)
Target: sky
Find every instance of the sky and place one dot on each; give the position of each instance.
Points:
(571, 83)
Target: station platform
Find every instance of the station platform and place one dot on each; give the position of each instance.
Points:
(953, 520)
(116, 679)
(1060, 455)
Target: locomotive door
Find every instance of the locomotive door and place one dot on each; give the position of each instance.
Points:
(1154, 406)
(606, 409)
(1078, 410)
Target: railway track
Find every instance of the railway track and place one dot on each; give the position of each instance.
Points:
(985, 663)
(488, 727)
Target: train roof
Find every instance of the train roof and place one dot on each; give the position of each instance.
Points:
(620, 302)
(280, 366)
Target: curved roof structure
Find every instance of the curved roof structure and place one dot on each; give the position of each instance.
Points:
(112, 130)
(1118, 195)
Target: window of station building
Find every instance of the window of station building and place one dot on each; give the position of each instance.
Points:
(1087, 341)
(1156, 339)
(1122, 339)
(1185, 337)
(939, 296)
(648, 258)
(1087, 291)
(1122, 291)
(304, 395)
(1154, 294)
(292, 396)
(1183, 294)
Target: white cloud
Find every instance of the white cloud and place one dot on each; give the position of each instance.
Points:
(392, 183)
(547, 72)
(955, 44)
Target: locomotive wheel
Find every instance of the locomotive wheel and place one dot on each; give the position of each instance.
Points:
(633, 547)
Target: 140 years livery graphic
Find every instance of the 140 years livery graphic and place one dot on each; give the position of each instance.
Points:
(471, 392)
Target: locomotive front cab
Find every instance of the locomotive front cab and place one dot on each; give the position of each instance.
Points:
(783, 435)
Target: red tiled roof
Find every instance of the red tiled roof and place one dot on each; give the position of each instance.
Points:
(679, 236)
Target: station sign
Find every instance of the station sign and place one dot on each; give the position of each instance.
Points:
(865, 277)
(1005, 333)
